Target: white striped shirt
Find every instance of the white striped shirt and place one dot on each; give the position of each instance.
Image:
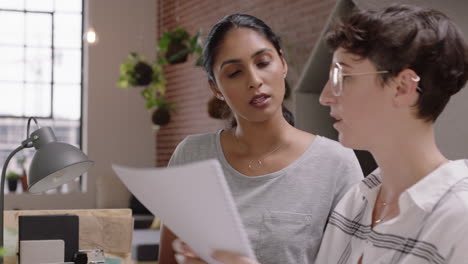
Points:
(432, 226)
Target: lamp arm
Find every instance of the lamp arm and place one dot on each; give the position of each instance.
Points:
(29, 123)
(25, 144)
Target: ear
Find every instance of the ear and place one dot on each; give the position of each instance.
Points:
(285, 64)
(405, 93)
(215, 90)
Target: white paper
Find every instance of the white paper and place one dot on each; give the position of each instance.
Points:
(193, 201)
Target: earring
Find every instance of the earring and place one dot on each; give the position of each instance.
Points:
(220, 97)
(416, 79)
(284, 75)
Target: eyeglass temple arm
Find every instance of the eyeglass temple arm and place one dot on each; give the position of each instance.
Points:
(362, 73)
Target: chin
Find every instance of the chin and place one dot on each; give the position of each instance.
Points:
(350, 142)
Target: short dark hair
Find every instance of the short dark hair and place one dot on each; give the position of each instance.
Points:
(403, 36)
(218, 33)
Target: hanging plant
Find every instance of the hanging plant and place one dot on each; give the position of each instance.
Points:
(162, 115)
(177, 45)
(173, 47)
(137, 72)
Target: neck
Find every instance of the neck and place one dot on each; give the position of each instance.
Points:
(261, 137)
(405, 159)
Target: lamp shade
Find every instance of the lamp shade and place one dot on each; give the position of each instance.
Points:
(54, 163)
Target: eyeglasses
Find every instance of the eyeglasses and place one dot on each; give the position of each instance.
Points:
(337, 76)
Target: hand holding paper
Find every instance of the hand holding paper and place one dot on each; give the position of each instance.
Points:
(194, 201)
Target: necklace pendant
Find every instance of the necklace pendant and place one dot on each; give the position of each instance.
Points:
(255, 164)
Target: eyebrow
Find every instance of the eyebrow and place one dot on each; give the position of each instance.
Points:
(238, 60)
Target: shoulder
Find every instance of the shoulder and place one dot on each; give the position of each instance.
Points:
(456, 204)
(450, 209)
(335, 153)
(333, 147)
(446, 222)
(197, 140)
(194, 148)
(334, 163)
(456, 200)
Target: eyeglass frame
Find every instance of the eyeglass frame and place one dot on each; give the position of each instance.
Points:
(340, 76)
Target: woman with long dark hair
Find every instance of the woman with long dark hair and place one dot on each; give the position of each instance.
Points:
(285, 182)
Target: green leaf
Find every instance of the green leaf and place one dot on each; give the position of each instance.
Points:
(123, 83)
(162, 60)
(164, 41)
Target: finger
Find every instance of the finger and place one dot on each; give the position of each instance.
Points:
(180, 247)
(182, 259)
(228, 257)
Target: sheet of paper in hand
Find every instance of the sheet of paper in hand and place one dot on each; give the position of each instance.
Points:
(193, 201)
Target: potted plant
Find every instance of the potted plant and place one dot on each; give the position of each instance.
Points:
(137, 72)
(12, 179)
(162, 114)
(177, 45)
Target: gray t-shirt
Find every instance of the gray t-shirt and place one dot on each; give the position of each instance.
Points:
(285, 212)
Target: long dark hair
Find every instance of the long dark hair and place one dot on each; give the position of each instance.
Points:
(217, 34)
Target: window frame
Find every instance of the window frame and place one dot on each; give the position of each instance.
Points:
(85, 196)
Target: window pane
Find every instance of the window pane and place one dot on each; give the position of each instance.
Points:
(67, 31)
(38, 65)
(12, 4)
(25, 100)
(11, 101)
(14, 32)
(68, 5)
(11, 64)
(67, 67)
(37, 100)
(40, 5)
(67, 102)
(38, 30)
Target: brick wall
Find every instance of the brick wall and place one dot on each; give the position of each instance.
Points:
(298, 23)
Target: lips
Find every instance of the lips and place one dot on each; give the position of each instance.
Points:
(336, 117)
(259, 100)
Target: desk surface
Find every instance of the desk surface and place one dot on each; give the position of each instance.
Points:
(107, 229)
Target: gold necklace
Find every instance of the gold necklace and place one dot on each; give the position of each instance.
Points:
(384, 204)
(377, 221)
(257, 164)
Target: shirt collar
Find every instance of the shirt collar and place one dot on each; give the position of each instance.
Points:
(370, 185)
(427, 192)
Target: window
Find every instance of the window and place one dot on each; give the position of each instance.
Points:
(40, 72)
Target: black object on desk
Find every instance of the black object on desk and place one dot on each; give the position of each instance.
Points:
(46, 227)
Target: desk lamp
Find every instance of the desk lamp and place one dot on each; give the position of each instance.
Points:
(53, 164)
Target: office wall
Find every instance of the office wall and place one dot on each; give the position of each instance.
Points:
(118, 127)
(298, 23)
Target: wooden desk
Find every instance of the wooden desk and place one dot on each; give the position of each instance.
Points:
(107, 229)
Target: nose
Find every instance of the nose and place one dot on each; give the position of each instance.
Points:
(255, 81)
(326, 96)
